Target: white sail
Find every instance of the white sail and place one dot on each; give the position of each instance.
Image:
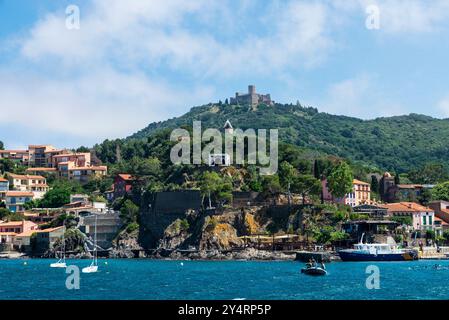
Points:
(94, 265)
(61, 262)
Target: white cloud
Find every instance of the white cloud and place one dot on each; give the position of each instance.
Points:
(105, 103)
(359, 97)
(443, 106)
(109, 78)
(155, 32)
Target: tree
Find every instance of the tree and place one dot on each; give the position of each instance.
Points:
(430, 173)
(441, 191)
(129, 212)
(340, 180)
(7, 165)
(2, 146)
(59, 195)
(425, 197)
(286, 175)
(4, 213)
(306, 185)
(55, 198)
(397, 179)
(209, 184)
(271, 185)
(82, 149)
(374, 184)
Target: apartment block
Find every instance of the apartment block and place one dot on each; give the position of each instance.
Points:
(30, 183)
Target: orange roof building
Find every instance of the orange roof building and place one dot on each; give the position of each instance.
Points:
(423, 217)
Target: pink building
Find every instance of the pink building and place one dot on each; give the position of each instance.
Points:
(77, 159)
(18, 226)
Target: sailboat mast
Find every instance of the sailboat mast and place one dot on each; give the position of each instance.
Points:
(95, 241)
(63, 240)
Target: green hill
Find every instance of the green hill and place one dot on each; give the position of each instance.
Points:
(393, 143)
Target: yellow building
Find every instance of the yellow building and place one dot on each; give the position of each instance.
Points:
(361, 194)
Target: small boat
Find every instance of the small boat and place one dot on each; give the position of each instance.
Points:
(312, 270)
(94, 265)
(61, 262)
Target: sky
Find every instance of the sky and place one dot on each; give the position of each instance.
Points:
(134, 62)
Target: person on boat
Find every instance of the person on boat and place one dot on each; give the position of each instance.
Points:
(313, 262)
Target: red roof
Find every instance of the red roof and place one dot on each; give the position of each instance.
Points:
(126, 177)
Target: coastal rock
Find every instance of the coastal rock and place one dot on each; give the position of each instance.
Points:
(125, 245)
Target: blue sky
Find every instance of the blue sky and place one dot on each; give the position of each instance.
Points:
(134, 62)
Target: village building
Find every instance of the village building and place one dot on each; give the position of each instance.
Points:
(83, 198)
(441, 209)
(37, 155)
(41, 171)
(373, 211)
(107, 225)
(422, 217)
(30, 183)
(20, 156)
(45, 239)
(123, 184)
(361, 194)
(369, 229)
(77, 159)
(392, 192)
(18, 226)
(4, 188)
(15, 200)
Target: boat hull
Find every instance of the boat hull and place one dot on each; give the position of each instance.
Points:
(58, 265)
(356, 256)
(90, 269)
(314, 271)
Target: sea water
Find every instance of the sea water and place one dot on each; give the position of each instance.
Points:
(191, 280)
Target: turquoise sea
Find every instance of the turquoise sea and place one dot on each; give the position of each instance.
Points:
(191, 280)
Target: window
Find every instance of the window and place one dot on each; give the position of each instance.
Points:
(430, 220)
(424, 220)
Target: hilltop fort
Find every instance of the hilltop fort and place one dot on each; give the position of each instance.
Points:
(252, 98)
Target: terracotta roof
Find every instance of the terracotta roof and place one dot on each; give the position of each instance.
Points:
(406, 207)
(126, 177)
(3, 180)
(40, 169)
(21, 176)
(72, 155)
(8, 233)
(355, 181)
(38, 146)
(19, 194)
(11, 224)
(97, 168)
(13, 151)
(409, 186)
(53, 151)
(443, 223)
(51, 229)
(27, 233)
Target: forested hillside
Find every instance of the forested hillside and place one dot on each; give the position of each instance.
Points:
(399, 143)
